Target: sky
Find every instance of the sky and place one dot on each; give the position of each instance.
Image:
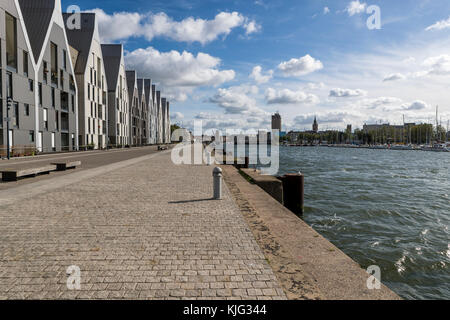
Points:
(232, 64)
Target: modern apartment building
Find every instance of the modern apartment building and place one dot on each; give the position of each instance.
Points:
(118, 104)
(36, 73)
(87, 53)
(164, 121)
(54, 72)
(133, 102)
(167, 124)
(141, 115)
(151, 132)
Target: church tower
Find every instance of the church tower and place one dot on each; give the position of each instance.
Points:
(315, 125)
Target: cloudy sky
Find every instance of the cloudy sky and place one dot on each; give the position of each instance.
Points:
(233, 63)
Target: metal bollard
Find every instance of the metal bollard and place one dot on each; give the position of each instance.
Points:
(217, 180)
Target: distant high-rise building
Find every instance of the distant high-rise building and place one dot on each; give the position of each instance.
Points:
(276, 122)
(315, 125)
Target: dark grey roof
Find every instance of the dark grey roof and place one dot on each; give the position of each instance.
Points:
(131, 82)
(81, 39)
(154, 93)
(37, 15)
(140, 83)
(163, 103)
(112, 56)
(148, 90)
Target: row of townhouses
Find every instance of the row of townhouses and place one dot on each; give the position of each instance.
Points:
(69, 90)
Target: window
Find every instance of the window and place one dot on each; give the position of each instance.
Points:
(25, 63)
(72, 83)
(57, 120)
(31, 135)
(65, 60)
(9, 85)
(27, 109)
(11, 41)
(64, 98)
(89, 91)
(45, 114)
(15, 115)
(40, 93)
(54, 62)
(31, 85)
(53, 97)
(61, 78)
(89, 125)
(73, 103)
(45, 71)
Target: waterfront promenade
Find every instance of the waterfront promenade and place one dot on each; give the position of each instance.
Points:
(138, 228)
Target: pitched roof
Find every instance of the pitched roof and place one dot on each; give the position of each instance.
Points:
(154, 93)
(81, 39)
(148, 90)
(37, 15)
(140, 83)
(112, 57)
(131, 82)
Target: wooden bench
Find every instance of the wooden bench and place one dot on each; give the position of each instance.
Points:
(14, 175)
(63, 166)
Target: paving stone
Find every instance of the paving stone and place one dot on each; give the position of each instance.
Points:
(147, 231)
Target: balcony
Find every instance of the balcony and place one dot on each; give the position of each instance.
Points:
(55, 78)
(64, 122)
(64, 101)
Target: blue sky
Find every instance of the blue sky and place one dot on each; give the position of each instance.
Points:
(233, 63)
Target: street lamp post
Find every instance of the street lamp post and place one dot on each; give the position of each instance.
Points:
(8, 143)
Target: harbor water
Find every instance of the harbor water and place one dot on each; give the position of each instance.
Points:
(382, 207)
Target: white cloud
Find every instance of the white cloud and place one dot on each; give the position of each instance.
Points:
(123, 25)
(416, 105)
(347, 93)
(225, 122)
(355, 7)
(381, 101)
(176, 116)
(440, 25)
(259, 77)
(328, 117)
(300, 67)
(178, 69)
(315, 86)
(326, 10)
(252, 27)
(286, 96)
(236, 100)
(439, 65)
(394, 77)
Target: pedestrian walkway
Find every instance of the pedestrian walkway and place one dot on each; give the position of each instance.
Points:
(148, 230)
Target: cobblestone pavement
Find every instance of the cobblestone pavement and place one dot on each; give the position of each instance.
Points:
(148, 231)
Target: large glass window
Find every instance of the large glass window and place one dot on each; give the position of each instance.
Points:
(54, 57)
(25, 63)
(15, 119)
(9, 85)
(11, 41)
(64, 59)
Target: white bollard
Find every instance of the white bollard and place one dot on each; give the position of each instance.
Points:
(217, 179)
(208, 158)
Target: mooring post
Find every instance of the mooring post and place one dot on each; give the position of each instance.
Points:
(217, 182)
(294, 192)
(247, 163)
